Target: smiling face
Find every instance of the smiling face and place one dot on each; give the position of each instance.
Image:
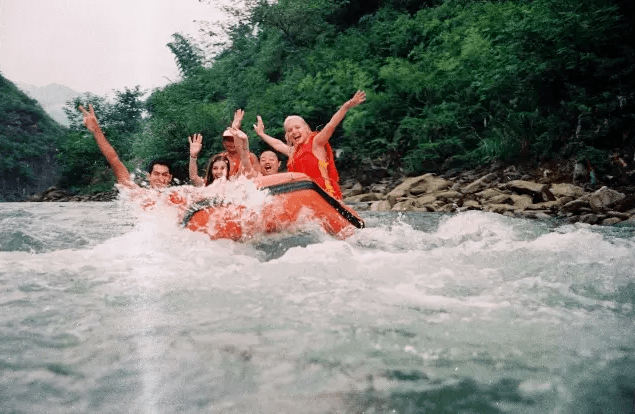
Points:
(269, 163)
(296, 130)
(160, 176)
(219, 169)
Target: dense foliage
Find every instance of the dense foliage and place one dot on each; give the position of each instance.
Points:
(28, 137)
(450, 83)
(82, 165)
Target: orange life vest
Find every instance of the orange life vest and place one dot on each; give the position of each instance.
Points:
(323, 173)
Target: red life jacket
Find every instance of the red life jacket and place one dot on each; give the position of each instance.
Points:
(323, 173)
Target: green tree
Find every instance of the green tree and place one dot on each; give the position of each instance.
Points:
(82, 165)
(189, 57)
(28, 137)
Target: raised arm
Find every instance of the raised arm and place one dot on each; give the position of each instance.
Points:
(273, 142)
(238, 118)
(196, 144)
(322, 138)
(120, 170)
(241, 141)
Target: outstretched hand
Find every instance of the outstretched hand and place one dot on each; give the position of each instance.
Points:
(238, 118)
(196, 144)
(259, 127)
(359, 97)
(241, 140)
(90, 119)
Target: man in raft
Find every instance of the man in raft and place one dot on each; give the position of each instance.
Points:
(232, 152)
(159, 171)
(269, 163)
(309, 151)
(240, 143)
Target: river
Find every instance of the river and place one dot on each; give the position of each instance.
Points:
(105, 310)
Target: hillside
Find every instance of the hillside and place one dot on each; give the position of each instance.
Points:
(28, 139)
(52, 97)
(450, 86)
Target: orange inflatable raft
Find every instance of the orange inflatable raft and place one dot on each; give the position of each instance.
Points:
(293, 200)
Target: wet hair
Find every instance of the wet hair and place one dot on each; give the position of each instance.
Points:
(160, 162)
(209, 176)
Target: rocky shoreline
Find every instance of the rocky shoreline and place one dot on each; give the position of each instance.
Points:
(54, 194)
(538, 194)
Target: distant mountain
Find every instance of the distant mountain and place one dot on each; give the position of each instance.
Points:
(52, 97)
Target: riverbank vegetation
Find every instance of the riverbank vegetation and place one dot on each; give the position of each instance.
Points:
(28, 137)
(450, 84)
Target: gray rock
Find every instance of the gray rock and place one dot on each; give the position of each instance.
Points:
(575, 205)
(622, 216)
(403, 189)
(527, 187)
(488, 193)
(591, 218)
(405, 205)
(356, 189)
(381, 205)
(479, 184)
(566, 190)
(611, 221)
(471, 205)
(545, 205)
(501, 199)
(361, 198)
(498, 208)
(448, 195)
(425, 200)
(521, 202)
(626, 204)
(604, 198)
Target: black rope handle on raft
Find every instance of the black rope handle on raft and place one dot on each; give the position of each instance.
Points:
(200, 205)
(311, 185)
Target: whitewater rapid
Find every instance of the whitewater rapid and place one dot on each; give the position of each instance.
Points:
(109, 309)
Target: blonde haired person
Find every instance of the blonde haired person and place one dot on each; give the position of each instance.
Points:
(309, 151)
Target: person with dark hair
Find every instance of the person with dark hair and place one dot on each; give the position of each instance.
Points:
(220, 165)
(217, 167)
(309, 151)
(269, 163)
(159, 171)
(236, 144)
(232, 152)
(159, 162)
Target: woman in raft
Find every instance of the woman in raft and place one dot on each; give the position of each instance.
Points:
(219, 166)
(309, 151)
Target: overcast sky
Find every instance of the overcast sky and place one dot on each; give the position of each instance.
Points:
(96, 45)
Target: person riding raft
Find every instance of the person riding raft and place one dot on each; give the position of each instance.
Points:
(220, 165)
(309, 151)
(236, 158)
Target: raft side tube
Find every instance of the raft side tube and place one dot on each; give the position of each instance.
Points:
(311, 185)
(198, 206)
(284, 185)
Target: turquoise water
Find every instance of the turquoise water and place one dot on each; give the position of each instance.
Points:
(108, 310)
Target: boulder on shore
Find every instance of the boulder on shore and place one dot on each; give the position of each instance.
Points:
(502, 192)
